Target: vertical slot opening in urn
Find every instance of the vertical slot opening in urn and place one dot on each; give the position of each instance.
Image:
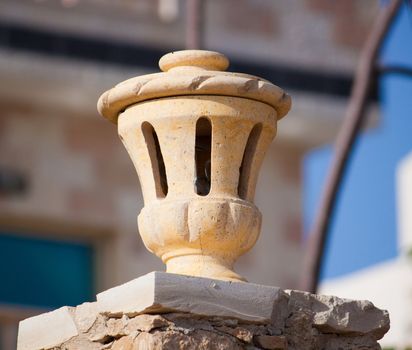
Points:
(156, 159)
(203, 152)
(247, 161)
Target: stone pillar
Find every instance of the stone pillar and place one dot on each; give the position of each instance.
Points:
(197, 136)
(168, 311)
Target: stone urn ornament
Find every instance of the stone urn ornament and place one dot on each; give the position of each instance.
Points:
(197, 136)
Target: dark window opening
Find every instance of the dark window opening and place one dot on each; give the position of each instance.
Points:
(203, 152)
(156, 159)
(247, 161)
(47, 273)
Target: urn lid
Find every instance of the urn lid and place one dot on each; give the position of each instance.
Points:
(191, 72)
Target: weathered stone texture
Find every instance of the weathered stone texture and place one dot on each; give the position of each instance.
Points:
(306, 321)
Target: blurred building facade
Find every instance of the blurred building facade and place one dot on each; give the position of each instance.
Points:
(70, 230)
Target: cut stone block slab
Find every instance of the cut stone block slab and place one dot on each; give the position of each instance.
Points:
(47, 330)
(161, 292)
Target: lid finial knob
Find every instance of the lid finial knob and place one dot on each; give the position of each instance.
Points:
(208, 60)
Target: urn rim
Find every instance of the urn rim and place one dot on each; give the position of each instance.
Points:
(191, 72)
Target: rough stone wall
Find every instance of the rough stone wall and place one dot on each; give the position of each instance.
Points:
(305, 322)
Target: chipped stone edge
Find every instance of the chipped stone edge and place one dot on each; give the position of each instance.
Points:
(36, 332)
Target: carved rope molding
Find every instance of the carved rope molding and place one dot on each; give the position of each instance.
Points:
(190, 82)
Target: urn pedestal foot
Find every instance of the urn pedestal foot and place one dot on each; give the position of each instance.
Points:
(203, 266)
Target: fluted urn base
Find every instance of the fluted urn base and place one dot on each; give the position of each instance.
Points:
(200, 237)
